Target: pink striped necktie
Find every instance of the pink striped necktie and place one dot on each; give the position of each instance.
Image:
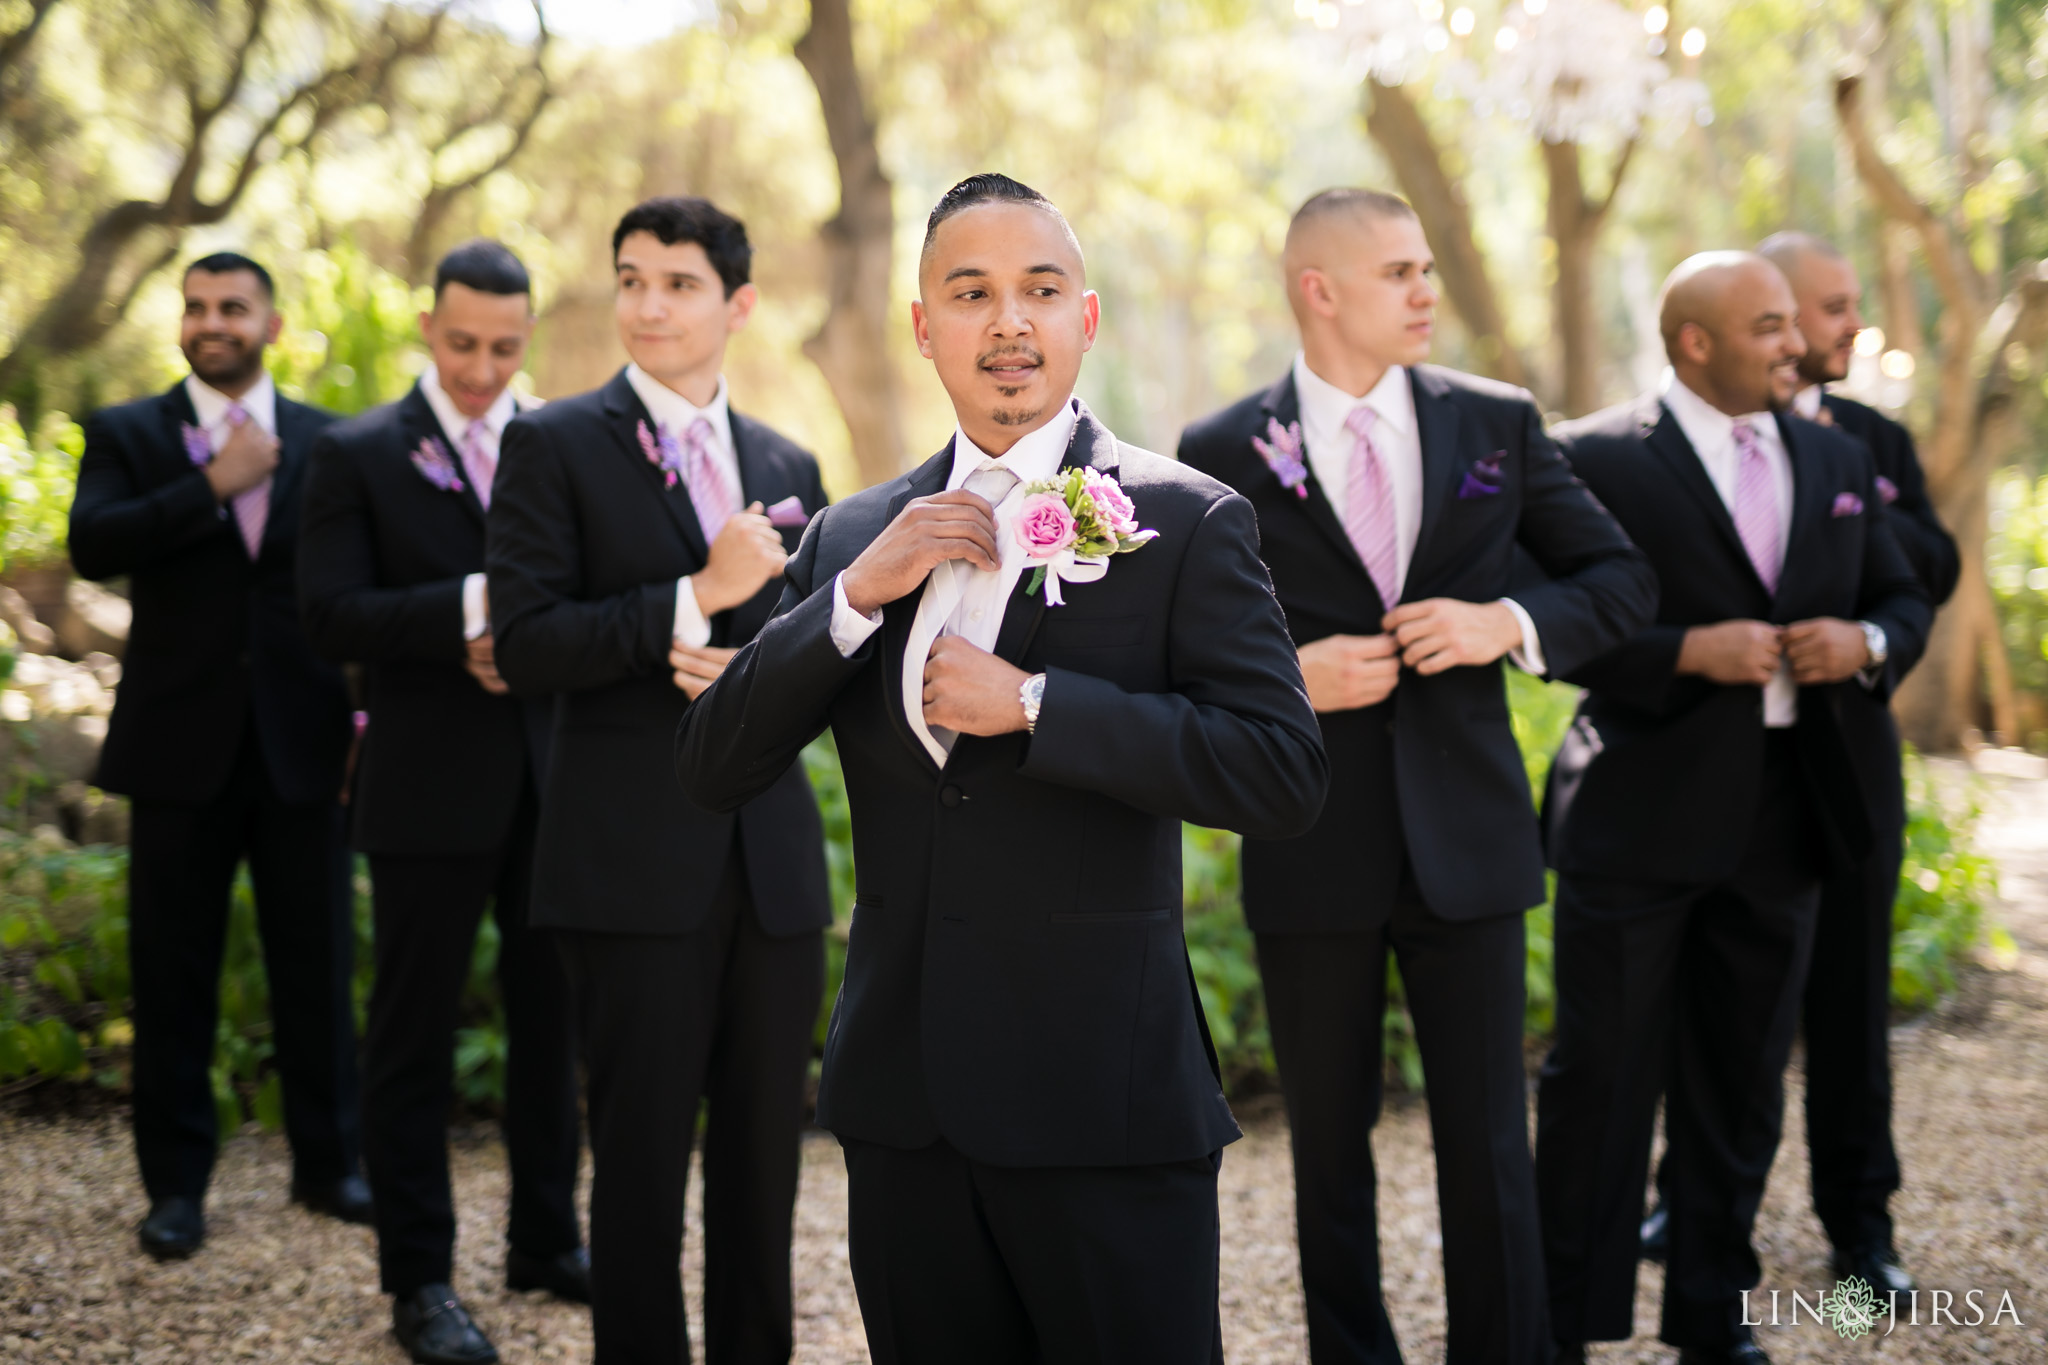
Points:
(1756, 506)
(1369, 508)
(252, 506)
(709, 492)
(478, 460)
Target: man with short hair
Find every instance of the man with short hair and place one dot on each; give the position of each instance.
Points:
(1701, 792)
(230, 737)
(1392, 496)
(1038, 653)
(445, 802)
(636, 536)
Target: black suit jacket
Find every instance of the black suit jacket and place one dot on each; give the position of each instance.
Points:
(1016, 980)
(1657, 779)
(1871, 731)
(1431, 776)
(381, 566)
(584, 549)
(215, 642)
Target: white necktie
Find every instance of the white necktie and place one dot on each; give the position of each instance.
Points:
(993, 481)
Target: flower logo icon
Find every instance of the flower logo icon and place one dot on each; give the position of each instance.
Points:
(1852, 1309)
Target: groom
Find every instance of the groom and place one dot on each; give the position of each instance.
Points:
(1017, 1067)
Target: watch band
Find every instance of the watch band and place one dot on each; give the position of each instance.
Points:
(1031, 693)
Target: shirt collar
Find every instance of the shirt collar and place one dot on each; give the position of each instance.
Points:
(1325, 406)
(670, 409)
(1706, 426)
(502, 410)
(211, 406)
(1034, 457)
(1807, 402)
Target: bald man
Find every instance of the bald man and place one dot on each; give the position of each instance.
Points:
(1391, 497)
(1704, 788)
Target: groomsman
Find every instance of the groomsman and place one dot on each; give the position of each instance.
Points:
(629, 553)
(1391, 496)
(230, 737)
(1017, 1065)
(1703, 789)
(446, 800)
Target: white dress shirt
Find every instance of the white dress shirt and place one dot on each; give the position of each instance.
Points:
(454, 426)
(211, 406)
(670, 409)
(1711, 433)
(959, 600)
(1806, 402)
(1397, 435)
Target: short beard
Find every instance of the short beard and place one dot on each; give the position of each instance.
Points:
(227, 373)
(1015, 417)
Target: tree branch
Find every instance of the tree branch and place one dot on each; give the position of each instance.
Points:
(15, 44)
(1960, 285)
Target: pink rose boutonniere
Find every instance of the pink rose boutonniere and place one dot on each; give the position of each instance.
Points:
(1282, 451)
(436, 465)
(1071, 524)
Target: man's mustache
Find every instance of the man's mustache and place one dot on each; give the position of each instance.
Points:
(994, 358)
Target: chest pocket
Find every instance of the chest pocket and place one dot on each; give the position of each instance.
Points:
(1102, 632)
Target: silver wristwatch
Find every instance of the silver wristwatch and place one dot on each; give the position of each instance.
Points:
(1031, 692)
(1874, 641)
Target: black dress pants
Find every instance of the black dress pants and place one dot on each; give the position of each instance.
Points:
(180, 874)
(1326, 995)
(1848, 1051)
(721, 1017)
(1699, 988)
(956, 1261)
(427, 911)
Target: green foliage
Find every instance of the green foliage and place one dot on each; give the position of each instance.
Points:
(1944, 888)
(352, 334)
(38, 474)
(2016, 564)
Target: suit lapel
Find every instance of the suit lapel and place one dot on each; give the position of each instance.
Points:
(1437, 430)
(757, 481)
(295, 432)
(1664, 437)
(1091, 446)
(900, 615)
(1282, 404)
(417, 418)
(1808, 493)
(625, 415)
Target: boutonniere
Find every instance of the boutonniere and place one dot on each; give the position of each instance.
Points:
(198, 445)
(1484, 478)
(1071, 524)
(1846, 505)
(436, 465)
(663, 452)
(1281, 450)
(1887, 490)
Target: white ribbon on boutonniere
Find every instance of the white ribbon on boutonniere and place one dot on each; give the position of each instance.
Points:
(1071, 525)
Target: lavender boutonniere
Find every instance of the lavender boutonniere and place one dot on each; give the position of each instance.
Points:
(1281, 449)
(664, 452)
(1071, 524)
(436, 465)
(198, 445)
(1887, 490)
(1484, 478)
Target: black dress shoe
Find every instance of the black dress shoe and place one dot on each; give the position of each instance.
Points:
(566, 1276)
(1655, 1234)
(435, 1329)
(174, 1229)
(1877, 1265)
(1742, 1353)
(347, 1198)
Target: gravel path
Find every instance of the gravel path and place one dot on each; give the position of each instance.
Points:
(277, 1284)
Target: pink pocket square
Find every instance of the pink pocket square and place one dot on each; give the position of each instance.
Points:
(789, 512)
(1847, 505)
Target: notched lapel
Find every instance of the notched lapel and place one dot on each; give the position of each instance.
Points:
(1810, 491)
(1662, 434)
(418, 422)
(1437, 428)
(1283, 405)
(1091, 446)
(625, 413)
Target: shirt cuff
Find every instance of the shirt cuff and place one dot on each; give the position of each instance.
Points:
(476, 623)
(1529, 658)
(690, 626)
(850, 630)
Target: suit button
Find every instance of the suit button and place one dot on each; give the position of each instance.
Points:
(950, 795)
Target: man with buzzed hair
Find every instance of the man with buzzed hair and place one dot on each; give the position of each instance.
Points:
(1017, 1066)
(1703, 789)
(1391, 498)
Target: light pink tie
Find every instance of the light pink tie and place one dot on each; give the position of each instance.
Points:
(477, 459)
(1756, 506)
(1369, 508)
(252, 508)
(709, 492)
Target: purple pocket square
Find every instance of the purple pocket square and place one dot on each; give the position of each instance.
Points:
(1483, 479)
(1846, 505)
(1887, 490)
(789, 512)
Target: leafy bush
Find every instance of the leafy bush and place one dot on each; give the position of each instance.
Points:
(38, 475)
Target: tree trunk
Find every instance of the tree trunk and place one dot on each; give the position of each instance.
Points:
(851, 347)
(1575, 222)
(1396, 124)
